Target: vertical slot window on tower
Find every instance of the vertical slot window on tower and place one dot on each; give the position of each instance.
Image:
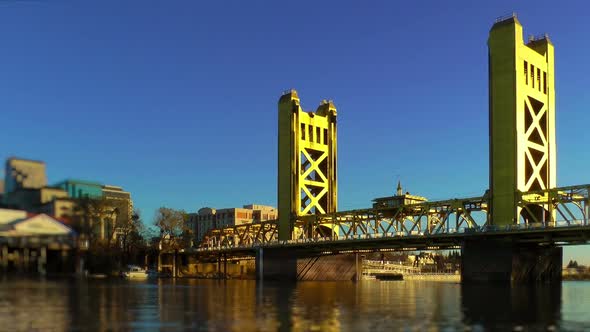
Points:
(526, 73)
(317, 135)
(303, 131)
(326, 136)
(533, 76)
(310, 133)
(544, 82)
(539, 79)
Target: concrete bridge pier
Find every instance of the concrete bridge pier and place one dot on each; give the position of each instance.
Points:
(502, 261)
(4, 255)
(42, 261)
(287, 265)
(276, 265)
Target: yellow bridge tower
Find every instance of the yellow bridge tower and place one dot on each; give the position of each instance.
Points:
(306, 163)
(522, 121)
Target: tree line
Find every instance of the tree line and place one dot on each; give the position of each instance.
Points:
(112, 240)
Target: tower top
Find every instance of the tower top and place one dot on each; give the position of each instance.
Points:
(506, 20)
(289, 95)
(399, 190)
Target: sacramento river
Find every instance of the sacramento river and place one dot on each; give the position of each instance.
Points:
(235, 305)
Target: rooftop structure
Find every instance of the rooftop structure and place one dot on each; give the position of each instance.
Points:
(80, 189)
(24, 174)
(398, 200)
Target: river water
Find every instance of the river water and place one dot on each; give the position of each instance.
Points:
(237, 305)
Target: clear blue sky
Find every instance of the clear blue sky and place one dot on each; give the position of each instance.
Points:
(176, 101)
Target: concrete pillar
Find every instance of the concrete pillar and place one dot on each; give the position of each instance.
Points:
(16, 259)
(79, 263)
(225, 266)
(174, 274)
(5, 257)
(218, 265)
(499, 261)
(42, 261)
(357, 273)
(276, 264)
(259, 264)
(26, 259)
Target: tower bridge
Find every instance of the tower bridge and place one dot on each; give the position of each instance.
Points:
(512, 233)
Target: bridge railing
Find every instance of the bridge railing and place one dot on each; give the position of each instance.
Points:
(559, 207)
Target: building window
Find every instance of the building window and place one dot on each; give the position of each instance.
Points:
(326, 136)
(539, 79)
(317, 135)
(310, 133)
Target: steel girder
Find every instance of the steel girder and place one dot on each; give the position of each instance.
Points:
(560, 206)
(566, 206)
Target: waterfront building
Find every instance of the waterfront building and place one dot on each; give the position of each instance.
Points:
(24, 174)
(110, 207)
(33, 199)
(121, 202)
(208, 218)
(80, 189)
(35, 243)
(398, 200)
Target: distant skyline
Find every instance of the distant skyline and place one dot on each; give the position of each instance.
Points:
(177, 101)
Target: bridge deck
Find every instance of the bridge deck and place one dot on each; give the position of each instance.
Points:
(565, 235)
(426, 225)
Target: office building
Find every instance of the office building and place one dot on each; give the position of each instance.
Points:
(208, 218)
(24, 174)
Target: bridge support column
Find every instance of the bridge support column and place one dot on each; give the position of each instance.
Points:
(174, 273)
(26, 259)
(276, 264)
(5, 257)
(288, 265)
(42, 261)
(498, 261)
(224, 266)
(259, 264)
(358, 267)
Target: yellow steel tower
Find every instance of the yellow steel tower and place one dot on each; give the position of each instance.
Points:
(522, 120)
(307, 161)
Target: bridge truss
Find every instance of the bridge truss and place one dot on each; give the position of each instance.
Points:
(562, 207)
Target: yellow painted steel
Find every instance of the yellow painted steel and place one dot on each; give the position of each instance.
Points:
(522, 121)
(306, 162)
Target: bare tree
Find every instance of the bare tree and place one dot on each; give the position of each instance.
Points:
(173, 226)
(94, 218)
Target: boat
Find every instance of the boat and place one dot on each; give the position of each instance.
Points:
(389, 276)
(135, 272)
